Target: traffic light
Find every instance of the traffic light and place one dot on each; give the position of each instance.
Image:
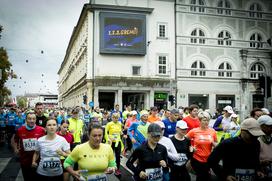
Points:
(172, 100)
(85, 99)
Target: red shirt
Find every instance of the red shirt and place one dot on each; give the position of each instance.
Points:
(27, 140)
(191, 122)
(68, 136)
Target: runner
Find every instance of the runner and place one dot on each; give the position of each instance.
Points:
(24, 144)
(192, 119)
(238, 156)
(93, 157)
(170, 123)
(50, 148)
(76, 127)
(113, 134)
(151, 157)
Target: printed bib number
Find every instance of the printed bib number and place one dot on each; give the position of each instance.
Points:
(30, 144)
(53, 162)
(154, 174)
(98, 177)
(245, 174)
(182, 160)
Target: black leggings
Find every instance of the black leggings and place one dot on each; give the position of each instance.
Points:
(117, 151)
(201, 169)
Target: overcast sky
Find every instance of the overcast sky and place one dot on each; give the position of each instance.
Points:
(33, 26)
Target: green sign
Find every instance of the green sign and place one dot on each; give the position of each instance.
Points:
(160, 96)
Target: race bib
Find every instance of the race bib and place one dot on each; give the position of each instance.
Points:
(183, 159)
(245, 174)
(51, 162)
(154, 174)
(97, 177)
(115, 136)
(30, 144)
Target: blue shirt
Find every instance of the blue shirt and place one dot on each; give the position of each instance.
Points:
(170, 128)
(11, 118)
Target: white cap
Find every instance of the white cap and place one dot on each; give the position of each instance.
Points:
(228, 109)
(160, 123)
(181, 124)
(265, 111)
(133, 112)
(234, 115)
(265, 119)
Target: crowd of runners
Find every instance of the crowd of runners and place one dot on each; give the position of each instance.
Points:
(161, 145)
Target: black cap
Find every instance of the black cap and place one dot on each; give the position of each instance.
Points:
(154, 129)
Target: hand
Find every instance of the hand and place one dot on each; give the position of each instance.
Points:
(163, 163)
(110, 170)
(76, 174)
(143, 175)
(34, 165)
(72, 131)
(125, 136)
(260, 174)
(133, 141)
(231, 178)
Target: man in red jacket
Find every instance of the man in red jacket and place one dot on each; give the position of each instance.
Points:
(25, 142)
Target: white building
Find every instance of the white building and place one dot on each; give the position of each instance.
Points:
(222, 51)
(208, 52)
(120, 52)
(48, 100)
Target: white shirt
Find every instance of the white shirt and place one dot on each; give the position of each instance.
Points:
(50, 164)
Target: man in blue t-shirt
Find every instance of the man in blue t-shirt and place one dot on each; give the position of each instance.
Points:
(170, 123)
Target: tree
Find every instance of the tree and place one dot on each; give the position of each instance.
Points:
(5, 66)
(21, 102)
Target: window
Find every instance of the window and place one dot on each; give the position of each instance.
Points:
(197, 6)
(136, 70)
(255, 11)
(162, 64)
(224, 38)
(256, 41)
(224, 7)
(198, 34)
(162, 30)
(257, 70)
(225, 70)
(198, 65)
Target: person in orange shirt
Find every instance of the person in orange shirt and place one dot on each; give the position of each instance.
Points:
(153, 117)
(204, 139)
(192, 119)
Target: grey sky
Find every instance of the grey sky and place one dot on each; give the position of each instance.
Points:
(32, 26)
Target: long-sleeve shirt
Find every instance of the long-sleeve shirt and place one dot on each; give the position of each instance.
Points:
(237, 156)
(138, 131)
(147, 158)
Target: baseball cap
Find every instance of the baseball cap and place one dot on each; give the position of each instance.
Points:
(228, 109)
(160, 123)
(265, 119)
(144, 112)
(174, 111)
(154, 129)
(133, 112)
(252, 126)
(181, 124)
(265, 111)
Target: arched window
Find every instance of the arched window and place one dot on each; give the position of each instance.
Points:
(257, 70)
(256, 41)
(255, 11)
(225, 70)
(224, 7)
(224, 38)
(197, 36)
(198, 65)
(197, 6)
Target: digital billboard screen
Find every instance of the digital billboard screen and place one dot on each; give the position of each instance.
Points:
(122, 33)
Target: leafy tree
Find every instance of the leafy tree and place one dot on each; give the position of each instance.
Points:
(5, 66)
(21, 102)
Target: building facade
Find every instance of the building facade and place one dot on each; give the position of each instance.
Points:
(207, 52)
(222, 51)
(121, 52)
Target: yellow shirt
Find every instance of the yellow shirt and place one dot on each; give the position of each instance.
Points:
(76, 126)
(113, 131)
(96, 161)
